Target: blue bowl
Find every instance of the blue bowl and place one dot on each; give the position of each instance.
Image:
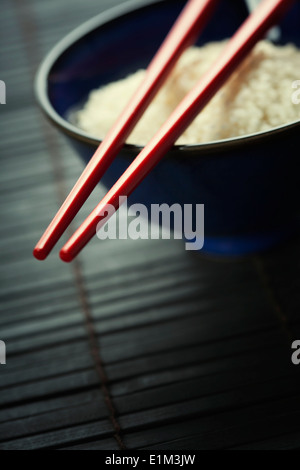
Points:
(248, 185)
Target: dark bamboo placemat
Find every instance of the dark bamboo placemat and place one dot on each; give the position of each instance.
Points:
(136, 344)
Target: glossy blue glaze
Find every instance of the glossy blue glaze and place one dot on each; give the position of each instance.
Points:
(249, 186)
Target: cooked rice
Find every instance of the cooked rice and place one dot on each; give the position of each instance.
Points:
(256, 98)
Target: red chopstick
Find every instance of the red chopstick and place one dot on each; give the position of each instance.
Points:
(253, 29)
(184, 33)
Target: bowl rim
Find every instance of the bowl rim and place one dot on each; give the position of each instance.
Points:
(77, 34)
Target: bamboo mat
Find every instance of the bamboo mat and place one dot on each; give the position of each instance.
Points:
(136, 345)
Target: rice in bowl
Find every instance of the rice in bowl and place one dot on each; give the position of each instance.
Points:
(257, 97)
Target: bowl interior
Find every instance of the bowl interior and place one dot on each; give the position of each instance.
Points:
(114, 45)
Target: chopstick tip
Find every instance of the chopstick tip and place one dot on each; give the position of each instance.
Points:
(65, 256)
(39, 254)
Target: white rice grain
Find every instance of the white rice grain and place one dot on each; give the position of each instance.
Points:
(256, 98)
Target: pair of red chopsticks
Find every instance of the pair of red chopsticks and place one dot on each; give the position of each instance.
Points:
(184, 33)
